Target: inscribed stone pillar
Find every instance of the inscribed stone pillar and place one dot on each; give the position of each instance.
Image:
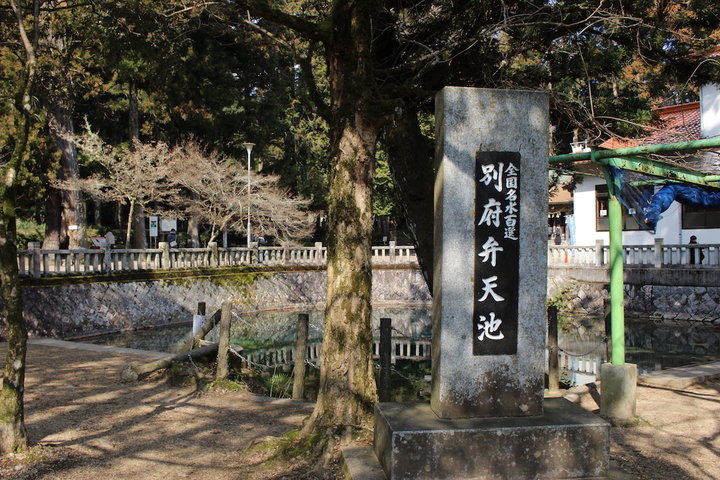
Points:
(490, 253)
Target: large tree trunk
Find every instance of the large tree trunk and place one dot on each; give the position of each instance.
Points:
(53, 220)
(138, 217)
(139, 231)
(411, 163)
(13, 435)
(193, 230)
(347, 384)
(73, 207)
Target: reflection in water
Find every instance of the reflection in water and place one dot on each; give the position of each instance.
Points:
(653, 344)
(271, 328)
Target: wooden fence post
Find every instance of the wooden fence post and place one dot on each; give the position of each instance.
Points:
(385, 358)
(300, 356)
(553, 349)
(223, 343)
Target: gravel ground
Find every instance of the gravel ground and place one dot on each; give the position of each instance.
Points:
(98, 427)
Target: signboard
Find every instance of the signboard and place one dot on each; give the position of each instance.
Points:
(153, 226)
(167, 224)
(497, 253)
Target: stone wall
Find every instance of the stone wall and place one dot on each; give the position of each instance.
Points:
(679, 318)
(110, 304)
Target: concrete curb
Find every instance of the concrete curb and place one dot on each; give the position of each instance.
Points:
(681, 377)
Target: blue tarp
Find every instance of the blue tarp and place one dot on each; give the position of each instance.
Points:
(692, 196)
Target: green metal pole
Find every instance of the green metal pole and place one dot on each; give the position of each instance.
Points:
(596, 155)
(617, 293)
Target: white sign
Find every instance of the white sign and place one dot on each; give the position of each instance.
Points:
(167, 224)
(153, 225)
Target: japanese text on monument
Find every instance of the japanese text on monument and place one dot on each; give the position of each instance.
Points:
(497, 248)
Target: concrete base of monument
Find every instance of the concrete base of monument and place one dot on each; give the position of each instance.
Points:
(360, 463)
(566, 442)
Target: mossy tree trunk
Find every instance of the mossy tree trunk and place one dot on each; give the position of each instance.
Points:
(13, 435)
(347, 385)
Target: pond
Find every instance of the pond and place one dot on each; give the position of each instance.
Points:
(269, 328)
(581, 337)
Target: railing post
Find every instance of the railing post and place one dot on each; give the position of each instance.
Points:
(214, 254)
(553, 349)
(658, 252)
(221, 373)
(599, 255)
(318, 253)
(392, 251)
(254, 253)
(385, 359)
(107, 259)
(165, 262)
(36, 259)
(301, 342)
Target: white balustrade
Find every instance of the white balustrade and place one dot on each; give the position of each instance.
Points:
(36, 262)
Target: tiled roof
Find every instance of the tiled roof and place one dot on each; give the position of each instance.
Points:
(677, 123)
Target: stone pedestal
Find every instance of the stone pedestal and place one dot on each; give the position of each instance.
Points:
(566, 442)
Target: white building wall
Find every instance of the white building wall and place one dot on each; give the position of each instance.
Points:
(710, 110)
(668, 228)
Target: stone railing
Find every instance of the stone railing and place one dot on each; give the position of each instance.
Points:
(401, 349)
(35, 262)
(657, 255)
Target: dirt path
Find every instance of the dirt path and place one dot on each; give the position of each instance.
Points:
(142, 431)
(680, 438)
(151, 430)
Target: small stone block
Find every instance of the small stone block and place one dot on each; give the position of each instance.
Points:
(618, 390)
(360, 463)
(566, 442)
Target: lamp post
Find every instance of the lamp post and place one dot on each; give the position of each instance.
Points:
(248, 146)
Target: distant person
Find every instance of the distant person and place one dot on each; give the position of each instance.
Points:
(558, 236)
(694, 250)
(259, 239)
(109, 239)
(172, 238)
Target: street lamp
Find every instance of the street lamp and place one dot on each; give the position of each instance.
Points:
(248, 146)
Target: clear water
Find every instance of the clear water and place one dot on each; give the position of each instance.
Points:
(278, 328)
(268, 328)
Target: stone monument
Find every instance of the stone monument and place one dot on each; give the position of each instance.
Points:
(487, 418)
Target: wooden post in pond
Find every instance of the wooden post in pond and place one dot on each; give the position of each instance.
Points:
(223, 343)
(385, 359)
(198, 318)
(300, 356)
(553, 349)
